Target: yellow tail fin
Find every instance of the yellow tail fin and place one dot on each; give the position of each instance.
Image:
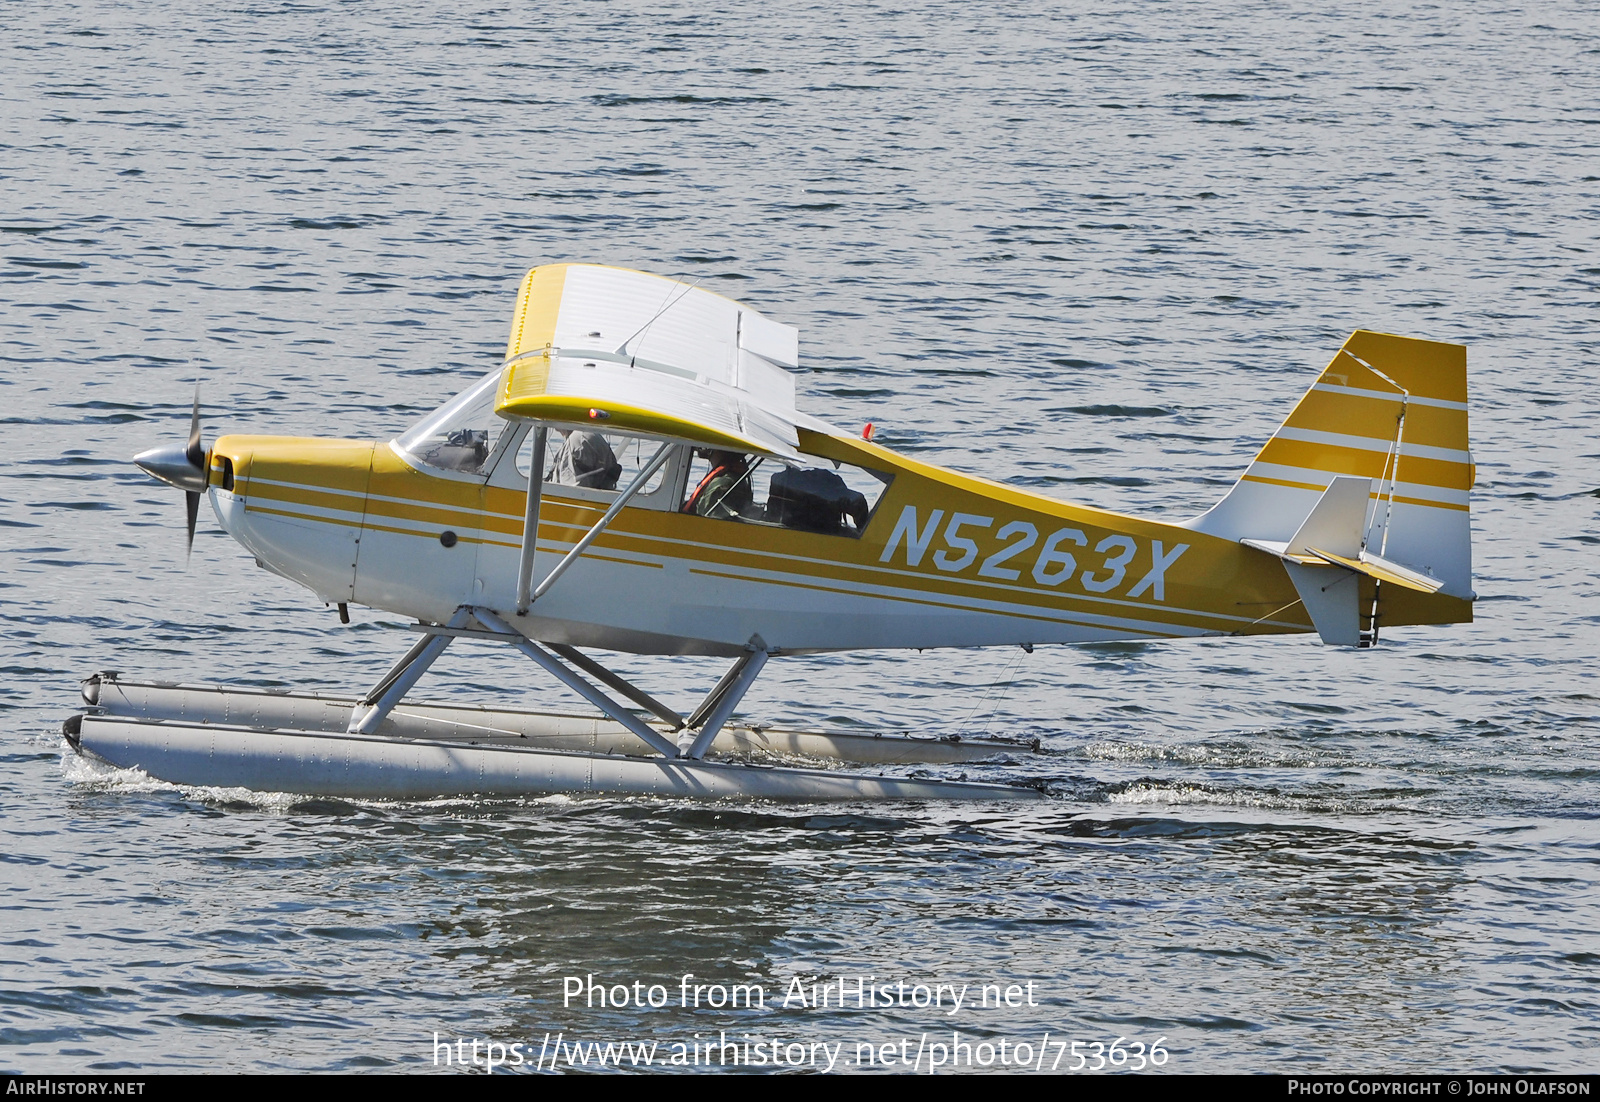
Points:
(1389, 409)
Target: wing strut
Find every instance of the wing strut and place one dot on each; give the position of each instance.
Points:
(525, 568)
(530, 521)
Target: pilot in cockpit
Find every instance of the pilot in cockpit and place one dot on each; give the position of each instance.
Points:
(724, 493)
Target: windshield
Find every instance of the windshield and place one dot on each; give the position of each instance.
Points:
(459, 435)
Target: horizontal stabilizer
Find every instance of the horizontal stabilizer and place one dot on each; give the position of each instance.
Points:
(1280, 548)
(1329, 594)
(1325, 554)
(1376, 566)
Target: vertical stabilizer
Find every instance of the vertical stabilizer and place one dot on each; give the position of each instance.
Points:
(1391, 410)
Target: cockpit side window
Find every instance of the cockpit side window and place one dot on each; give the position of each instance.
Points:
(596, 465)
(755, 489)
(461, 434)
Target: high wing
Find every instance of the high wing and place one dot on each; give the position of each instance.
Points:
(651, 355)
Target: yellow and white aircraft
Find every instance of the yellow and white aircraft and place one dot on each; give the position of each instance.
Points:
(636, 477)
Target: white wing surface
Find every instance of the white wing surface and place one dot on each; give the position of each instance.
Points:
(636, 351)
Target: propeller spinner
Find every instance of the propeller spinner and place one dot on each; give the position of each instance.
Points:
(182, 465)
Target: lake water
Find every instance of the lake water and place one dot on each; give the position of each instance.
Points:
(1098, 252)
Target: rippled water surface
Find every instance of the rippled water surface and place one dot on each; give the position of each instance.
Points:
(1094, 252)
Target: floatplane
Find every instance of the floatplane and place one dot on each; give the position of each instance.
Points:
(636, 477)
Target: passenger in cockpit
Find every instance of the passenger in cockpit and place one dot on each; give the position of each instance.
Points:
(586, 459)
(724, 493)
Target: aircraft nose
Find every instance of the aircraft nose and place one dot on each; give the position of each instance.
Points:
(173, 464)
(181, 465)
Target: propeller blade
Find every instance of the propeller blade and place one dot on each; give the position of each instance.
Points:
(185, 466)
(194, 451)
(192, 500)
(196, 454)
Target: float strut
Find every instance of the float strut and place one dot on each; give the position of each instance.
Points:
(371, 710)
(724, 699)
(698, 716)
(556, 669)
(621, 684)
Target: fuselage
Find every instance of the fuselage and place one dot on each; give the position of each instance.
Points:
(944, 560)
